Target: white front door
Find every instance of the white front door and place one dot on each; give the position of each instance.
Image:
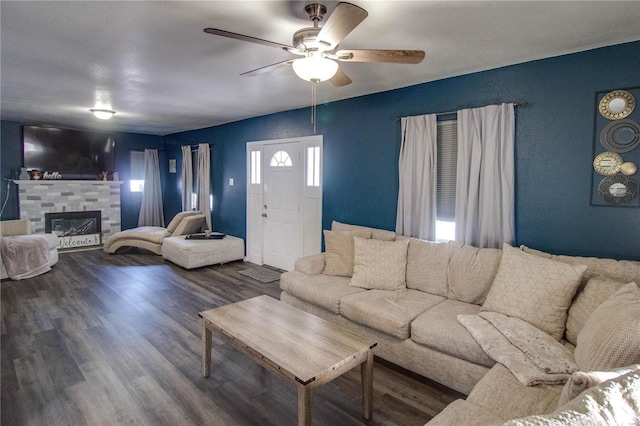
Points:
(282, 237)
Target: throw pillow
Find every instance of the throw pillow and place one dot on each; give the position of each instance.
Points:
(377, 234)
(597, 290)
(339, 248)
(583, 380)
(379, 264)
(614, 402)
(610, 337)
(534, 289)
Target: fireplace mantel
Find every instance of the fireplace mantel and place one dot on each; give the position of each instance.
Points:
(66, 182)
(38, 197)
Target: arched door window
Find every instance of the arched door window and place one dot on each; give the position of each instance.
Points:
(281, 159)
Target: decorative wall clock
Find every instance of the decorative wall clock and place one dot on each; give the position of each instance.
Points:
(617, 104)
(607, 163)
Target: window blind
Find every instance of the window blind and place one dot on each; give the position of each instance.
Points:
(447, 142)
(137, 165)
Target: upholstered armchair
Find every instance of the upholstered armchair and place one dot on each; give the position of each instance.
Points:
(14, 232)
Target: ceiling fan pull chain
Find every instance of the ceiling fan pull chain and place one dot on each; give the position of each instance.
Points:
(313, 105)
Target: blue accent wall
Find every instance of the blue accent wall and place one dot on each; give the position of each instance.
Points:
(11, 161)
(554, 137)
(554, 143)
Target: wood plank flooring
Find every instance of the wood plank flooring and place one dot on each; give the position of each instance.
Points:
(115, 339)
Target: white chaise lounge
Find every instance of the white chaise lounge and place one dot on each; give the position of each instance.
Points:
(151, 237)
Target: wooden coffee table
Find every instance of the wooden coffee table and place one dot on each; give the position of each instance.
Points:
(303, 349)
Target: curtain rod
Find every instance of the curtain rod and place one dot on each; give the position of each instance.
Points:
(515, 104)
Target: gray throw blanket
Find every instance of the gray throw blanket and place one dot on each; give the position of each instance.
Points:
(25, 256)
(532, 356)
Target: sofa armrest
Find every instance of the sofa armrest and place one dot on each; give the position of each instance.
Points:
(12, 228)
(310, 265)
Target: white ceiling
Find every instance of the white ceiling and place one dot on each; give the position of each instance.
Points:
(152, 63)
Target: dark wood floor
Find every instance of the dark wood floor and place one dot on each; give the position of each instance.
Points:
(115, 339)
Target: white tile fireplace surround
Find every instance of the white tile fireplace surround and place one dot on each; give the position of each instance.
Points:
(38, 197)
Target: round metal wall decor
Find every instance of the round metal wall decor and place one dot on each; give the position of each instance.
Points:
(628, 168)
(607, 163)
(620, 136)
(618, 189)
(617, 104)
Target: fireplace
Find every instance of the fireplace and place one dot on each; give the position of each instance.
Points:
(38, 197)
(75, 229)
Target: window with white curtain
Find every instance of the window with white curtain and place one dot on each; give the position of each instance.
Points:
(447, 141)
(136, 173)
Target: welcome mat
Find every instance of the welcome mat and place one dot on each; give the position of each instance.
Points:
(262, 274)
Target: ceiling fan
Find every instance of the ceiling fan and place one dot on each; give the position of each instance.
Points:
(319, 46)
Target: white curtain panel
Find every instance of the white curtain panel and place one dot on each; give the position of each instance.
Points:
(151, 207)
(187, 178)
(203, 182)
(485, 176)
(416, 216)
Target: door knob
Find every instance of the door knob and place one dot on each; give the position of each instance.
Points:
(264, 215)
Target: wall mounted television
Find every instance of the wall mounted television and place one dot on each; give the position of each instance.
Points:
(73, 153)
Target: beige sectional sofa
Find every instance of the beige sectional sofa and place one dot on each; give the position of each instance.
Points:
(411, 306)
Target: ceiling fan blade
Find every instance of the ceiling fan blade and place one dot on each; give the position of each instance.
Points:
(268, 68)
(344, 18)
(376, 55)
(243, 37)
(340, 79)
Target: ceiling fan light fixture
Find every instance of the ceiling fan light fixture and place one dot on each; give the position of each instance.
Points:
(102, 114)
(315, 68)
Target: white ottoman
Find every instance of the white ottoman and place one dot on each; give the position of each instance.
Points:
(196, 253)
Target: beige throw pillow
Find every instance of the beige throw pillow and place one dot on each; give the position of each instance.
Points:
(613, 402)
(534, 289)
(597, 290)
(380, 265)
(339, 248)
(610, 337)
(377, 234)
(583, 380)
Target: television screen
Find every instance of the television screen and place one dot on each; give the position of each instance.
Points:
(68, 151)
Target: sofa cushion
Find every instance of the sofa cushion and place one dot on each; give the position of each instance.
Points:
(439, 329)
(621, 270)
(583, 380)
(379, 264)
(427, 264)
(501, 394)
(340, 251)
(597, 290)
(613, 402)
(461, 412)
(388, 311)
(321, 290)
(471, 272)
(534, 289)
(377, 234)
(610, 337)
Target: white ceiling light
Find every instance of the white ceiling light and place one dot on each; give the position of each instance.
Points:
(315, 68)
(102, 114)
